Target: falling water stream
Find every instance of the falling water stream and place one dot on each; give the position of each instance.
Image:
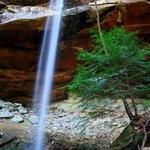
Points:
(43, 87)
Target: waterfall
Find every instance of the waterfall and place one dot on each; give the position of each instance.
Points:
(45, 72)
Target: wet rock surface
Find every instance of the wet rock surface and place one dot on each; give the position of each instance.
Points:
(10, 110)
(32, 119)
(17, 119)
(68, 124)
(68, 120)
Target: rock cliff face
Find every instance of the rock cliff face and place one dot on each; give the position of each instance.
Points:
(133, 15)
(38, 2)
(20, 41)
(25, 2)
(21, 30)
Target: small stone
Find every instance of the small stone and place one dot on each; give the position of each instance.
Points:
(22, 110)
(11, 108)
(6, 114)
(8, 104)
(17, 104)
(17, 119)
(2, 104)
(16, 112)
(1, 134)
(55, 128)
(33, 119)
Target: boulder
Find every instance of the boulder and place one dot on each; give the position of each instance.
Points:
(130, 139)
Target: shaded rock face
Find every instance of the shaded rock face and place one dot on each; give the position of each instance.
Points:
(133, 15)
(2, 5)
(67, 125)
(20, 41)
(25, 2)
(37, 2)
(28, 22)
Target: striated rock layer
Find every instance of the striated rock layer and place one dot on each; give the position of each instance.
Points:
(25, 2)
(133, 15)
(20, 41)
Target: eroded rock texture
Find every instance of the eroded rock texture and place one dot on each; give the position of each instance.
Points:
(20, 41)
(38, 2)
(133, 15)
(24, 2)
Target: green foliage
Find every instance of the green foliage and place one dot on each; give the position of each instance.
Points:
(124, 73)
(146, 103)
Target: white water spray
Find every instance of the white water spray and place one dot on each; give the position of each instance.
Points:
(43, 87)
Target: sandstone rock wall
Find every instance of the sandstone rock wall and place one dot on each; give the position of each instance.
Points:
(20, 42)
(134, 15)
(38, 2)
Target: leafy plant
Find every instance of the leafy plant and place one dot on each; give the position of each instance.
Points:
(117, 70)
(123, 73)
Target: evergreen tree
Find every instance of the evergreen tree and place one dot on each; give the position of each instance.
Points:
(122, 73)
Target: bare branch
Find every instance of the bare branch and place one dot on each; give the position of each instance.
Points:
(99, 28)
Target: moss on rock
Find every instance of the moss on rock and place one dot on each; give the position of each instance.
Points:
(129, 139)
